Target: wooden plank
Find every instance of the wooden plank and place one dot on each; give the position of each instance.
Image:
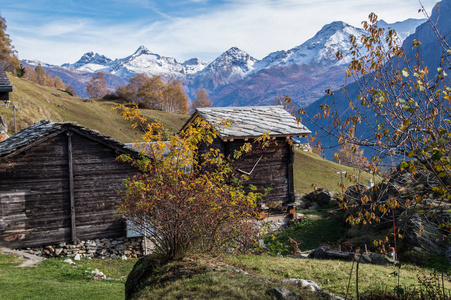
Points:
(71, 188)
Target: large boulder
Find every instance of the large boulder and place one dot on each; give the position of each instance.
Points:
(142, 273)
(371, 258)
(421, 236)
(326, 253)
(282, 293)
(316, 199)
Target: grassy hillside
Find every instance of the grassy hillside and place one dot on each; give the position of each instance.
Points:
(200, 278)
(38, 103)
(310, 170)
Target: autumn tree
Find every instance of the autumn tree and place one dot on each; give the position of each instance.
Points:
(185, 201)
(202, 99)
(41, 75)
(8, 55)
(153, 93)
(58, 83)
(350, 155)
(174, 98)
(30, 74)
(70, 90)
(97, 87)
(406, 108)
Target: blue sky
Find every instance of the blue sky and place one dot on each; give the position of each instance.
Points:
(59, 31)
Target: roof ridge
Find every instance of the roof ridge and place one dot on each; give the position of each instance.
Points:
(44, 128)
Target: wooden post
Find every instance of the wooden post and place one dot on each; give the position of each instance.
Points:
(290, 164)
(71, 188)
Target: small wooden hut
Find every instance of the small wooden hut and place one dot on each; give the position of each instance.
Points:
(59, 183)
(267, 167)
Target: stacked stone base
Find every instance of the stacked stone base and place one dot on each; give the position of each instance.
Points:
(98, 249)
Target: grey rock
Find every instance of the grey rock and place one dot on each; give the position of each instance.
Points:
(318, 198)
(282, 293)
(309, 285)
(379, 259)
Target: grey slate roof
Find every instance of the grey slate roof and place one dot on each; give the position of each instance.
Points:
(252, 121)
(5, 85)
(41, 130)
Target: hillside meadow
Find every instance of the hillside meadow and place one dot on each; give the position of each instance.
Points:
(36, 102)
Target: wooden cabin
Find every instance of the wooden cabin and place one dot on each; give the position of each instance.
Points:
(267, 167)
(59, 183)
(5, 85)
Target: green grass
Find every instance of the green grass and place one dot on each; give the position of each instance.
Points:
(312, 171)
(316, 230)
(54, 279)
(208, 278)
(38, 103)
(332, 275)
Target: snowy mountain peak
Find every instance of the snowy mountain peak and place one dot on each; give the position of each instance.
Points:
(234, 58)
(142, 50)
(320, 49)
(194, 65)
(229, 67)
(333, 27)
(402, 28)
(90, 62)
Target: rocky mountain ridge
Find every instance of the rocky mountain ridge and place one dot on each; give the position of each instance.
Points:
(233, 73)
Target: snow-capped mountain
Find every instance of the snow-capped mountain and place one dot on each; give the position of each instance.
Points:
(78, 79)
(235, 77)
(303, 72)
(194, 65)
(229, 67)
(144, 61)
(429, 53)
(91, 62)
(320, 49)
(141, 61)
(402, 28)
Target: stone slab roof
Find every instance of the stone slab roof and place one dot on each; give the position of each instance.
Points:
(43, 130)
(251, 121)
(5, 85)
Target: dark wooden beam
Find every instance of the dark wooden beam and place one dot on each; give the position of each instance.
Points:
(71, 187)
(290, 164)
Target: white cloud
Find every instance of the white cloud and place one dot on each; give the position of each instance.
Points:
(256, 26)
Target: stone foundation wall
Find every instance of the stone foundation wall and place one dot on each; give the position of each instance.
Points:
(99, 249)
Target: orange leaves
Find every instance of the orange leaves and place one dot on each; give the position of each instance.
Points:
(186, 195)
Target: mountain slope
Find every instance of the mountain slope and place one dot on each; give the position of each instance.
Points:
(320, 49)
(429, 53)
(228, 68)
(38, 102)
(303, 73)
(235, 74)
(77, 78)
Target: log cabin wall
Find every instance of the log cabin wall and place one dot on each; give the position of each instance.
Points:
(271, 168)
(36, 187)
(34, 195)
(274, 163)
